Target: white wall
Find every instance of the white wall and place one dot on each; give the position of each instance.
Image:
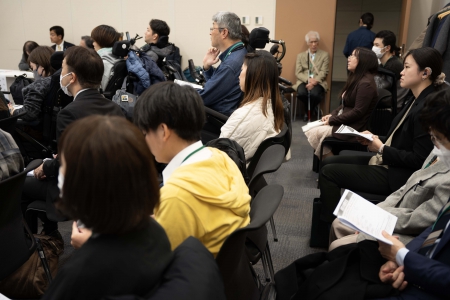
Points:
(189, 21)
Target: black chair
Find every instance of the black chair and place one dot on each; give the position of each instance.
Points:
(214, 121)
(379, 122)
(240, 280)
(16, 246)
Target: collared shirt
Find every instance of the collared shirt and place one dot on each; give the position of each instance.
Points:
(75, 97)
(177, 160)
(59, 47)
(222, 92)
(312, 56)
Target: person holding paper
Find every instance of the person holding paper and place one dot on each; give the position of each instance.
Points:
(400, 153)
(358, 99)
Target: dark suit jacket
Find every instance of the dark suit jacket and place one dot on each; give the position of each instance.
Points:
(66, 45)
(89, 102)
(410, 145)
(357, 107)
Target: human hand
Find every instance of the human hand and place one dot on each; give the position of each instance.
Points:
(309, 86)
(39, 172)
(375, 144)
(390, 251)
(79, 235)
(325, 118)
(211, 58)
(362, 140)
(390, 272)
(11, 108)
(313, 81)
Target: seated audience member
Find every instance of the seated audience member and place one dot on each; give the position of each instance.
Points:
(12, 161)
(86, 42)
(4, 108)
(128, 250)
(358, 99)
(386, 52)
(81, 74)
(311, 70)
(400, 153)
(221, 91)
(204, 194)
(27, 48)
(35, 93)
(155, 29)
(57, 37)
(104, 37)
(261, 113)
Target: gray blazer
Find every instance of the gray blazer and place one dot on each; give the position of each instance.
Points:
(418, 202)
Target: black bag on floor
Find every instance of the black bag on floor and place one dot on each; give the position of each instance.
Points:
(16, 88)
(320, 230)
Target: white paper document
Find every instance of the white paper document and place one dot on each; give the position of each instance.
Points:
(347, 130)
(182, 82)
(361, 215)
(312, 125)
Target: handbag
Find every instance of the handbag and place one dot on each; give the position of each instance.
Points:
(126, 101)
(32, 279)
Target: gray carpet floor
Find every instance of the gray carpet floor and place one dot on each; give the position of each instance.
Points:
(293, 217)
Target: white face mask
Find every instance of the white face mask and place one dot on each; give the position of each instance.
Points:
(64, 88)
(378, 51)
(443, 154)
(60, 183)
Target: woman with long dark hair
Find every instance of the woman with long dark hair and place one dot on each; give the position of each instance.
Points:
(27, 48)
(260, 114)
(358, 99)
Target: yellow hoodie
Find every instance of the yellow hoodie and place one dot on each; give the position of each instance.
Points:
(207, 199)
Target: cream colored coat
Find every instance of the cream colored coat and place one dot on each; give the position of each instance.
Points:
(248, 126)
(321, 61)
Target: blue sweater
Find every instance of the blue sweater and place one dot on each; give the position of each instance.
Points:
(361, 37)
(221, 91)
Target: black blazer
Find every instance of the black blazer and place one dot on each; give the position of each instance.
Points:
(66, 45)
(410, 146)
(89, 102)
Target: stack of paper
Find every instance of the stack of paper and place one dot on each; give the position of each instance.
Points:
(361, 215)
(347, 130)
(182, 82)
(312, 125)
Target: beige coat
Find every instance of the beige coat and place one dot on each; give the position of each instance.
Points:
(321, 61)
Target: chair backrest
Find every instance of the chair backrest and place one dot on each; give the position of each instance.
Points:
(283, 138)
(382, 116)
(14, 250)
(392, 89)
(9, 124)
(239, 278)
(269, 162)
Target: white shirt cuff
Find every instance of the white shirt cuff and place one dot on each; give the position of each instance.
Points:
(400, 256)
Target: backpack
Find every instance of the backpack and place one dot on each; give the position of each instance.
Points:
(11, 162)
(234, 151)
(118, 73)
(16, 88)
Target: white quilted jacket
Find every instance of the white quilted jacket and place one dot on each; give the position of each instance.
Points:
(248, 126)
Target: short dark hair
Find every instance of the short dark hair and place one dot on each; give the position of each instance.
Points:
(109, 198)
(105, 36)
(367, 63)
(159, 27)
(88, 41)
(179, 107)
(28, 47)
(436, 111)
(41, 56)
(389, 39)
(367, 19)
(58, 30)
(427, 57)
(86, 64)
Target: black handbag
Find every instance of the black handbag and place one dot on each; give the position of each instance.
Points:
(320, 230)
(16, 88)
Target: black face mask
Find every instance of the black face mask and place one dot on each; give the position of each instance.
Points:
(36, 73)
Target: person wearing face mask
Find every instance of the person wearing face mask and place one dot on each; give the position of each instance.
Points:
(81, 75)
(35, 93)
(387, 52)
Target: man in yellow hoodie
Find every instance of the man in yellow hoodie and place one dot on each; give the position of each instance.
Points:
(204, 194)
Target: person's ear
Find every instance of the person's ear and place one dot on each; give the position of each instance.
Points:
(388, 48)
(224, 33)
(74, 78)
(165, 132)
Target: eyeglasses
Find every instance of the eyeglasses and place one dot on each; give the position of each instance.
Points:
(212, 28)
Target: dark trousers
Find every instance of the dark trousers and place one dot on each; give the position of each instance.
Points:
(316, 95)
(36, 190)
(349, 172)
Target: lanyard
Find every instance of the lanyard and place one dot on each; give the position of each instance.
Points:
(232, 48)
(192, 153)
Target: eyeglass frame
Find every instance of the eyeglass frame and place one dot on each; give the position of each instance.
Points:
(220, 28)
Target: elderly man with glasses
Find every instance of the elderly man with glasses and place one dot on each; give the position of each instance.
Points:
(221, 91)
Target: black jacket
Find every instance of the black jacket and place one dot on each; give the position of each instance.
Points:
(66, 45)
(410, 146)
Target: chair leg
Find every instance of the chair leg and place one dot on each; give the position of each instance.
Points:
(295, 105)
(274, 232)
(268, 257)
(265, 264)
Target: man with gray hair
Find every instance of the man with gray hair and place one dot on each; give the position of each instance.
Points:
(221, 91)
(311, 71)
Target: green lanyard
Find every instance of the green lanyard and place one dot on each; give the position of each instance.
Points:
(232, 48)
(192, 153)
(443, 213)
